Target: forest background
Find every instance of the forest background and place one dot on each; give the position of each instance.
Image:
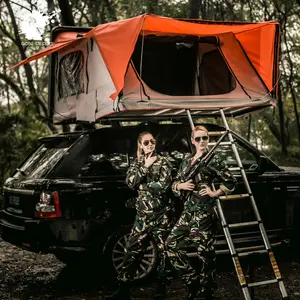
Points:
(23, 91)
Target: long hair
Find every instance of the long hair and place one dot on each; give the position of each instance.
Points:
(139, 140)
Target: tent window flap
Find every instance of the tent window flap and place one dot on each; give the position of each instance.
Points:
(70, 75)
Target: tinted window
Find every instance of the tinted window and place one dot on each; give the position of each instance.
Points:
(44, 158)
(248, 159)
(106, 158)
(175, 146)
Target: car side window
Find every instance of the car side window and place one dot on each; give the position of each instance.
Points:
(172, 144)
(175, 147)
(106, 160)
(248, 159)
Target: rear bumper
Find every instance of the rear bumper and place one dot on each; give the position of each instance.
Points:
(46, 236)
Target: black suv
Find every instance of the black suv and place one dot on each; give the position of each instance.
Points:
(70, 197)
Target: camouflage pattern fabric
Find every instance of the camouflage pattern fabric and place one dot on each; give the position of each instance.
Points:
(152, 213)
(197, 224)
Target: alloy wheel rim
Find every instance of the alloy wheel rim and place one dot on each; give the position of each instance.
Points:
(146, 264)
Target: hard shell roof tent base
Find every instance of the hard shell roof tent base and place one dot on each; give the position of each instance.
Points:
(247, 287)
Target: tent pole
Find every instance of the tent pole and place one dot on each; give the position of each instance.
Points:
(188, 112)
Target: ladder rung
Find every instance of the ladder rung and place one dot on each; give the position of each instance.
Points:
(210, 133)
(252, 252)
(221, 144)
(235, 169)
(252, 248)
(263, 282)
(244, 224)
(232, 197)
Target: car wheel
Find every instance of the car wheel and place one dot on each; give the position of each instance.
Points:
(117, 254)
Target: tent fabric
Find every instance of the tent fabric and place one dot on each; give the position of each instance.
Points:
(116, 41)
(249, 50)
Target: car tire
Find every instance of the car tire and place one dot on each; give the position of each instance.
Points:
(114, 254)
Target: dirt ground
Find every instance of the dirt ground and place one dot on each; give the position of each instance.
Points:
(30, 276)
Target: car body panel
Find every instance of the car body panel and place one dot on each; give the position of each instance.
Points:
(94, 196)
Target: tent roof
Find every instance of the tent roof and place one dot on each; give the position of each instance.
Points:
(116, 42)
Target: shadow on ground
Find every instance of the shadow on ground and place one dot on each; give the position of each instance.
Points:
(30, 276)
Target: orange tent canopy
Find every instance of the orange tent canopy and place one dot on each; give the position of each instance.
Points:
(116, 41)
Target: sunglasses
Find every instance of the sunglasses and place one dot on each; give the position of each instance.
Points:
(146, 142)
(199, 138)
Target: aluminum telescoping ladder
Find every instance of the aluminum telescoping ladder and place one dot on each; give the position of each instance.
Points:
(234, 253)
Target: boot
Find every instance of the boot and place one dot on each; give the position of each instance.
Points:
(161, 291)
(122, 293)
(192, 290)
(194, 293)
(204, 295)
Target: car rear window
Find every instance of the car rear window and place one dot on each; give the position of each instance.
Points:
(41, 162)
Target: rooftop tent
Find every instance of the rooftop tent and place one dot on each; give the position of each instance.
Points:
(151, 65)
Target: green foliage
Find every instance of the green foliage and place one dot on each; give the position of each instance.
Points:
(291, 160)
(19, 132)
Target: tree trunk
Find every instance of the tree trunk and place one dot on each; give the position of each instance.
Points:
(66, 13)
(4, 68)
(273, 128)
(281, 122)
(296, 111)
(249, 127)
(28, 70)
(51, 13)
(152, 6)
(194, 9)
(242, 10)
(111, 9)
(255, 135)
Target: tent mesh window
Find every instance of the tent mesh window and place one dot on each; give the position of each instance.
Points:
(70, 75)
(172, 65)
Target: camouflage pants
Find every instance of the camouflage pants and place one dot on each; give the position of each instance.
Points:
(156, 226)
(194, 229)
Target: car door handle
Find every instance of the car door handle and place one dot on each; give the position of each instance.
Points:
(253, 167)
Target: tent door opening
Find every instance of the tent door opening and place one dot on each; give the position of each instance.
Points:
(182, 65)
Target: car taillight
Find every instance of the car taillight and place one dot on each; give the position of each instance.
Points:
(48, 206)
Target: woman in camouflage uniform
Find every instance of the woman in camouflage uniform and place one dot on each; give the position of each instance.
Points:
(150, 175)
(197, 223)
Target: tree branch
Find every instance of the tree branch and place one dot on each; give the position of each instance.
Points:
(13, 86)
(22, 6)
(2, 27)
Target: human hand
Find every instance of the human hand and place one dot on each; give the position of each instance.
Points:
(206, 190)
(186, 186)
(149, 160)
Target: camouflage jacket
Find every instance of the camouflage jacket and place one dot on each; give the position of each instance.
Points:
(216, 172)
(151, 183)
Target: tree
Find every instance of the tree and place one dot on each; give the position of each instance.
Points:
(194, 9)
